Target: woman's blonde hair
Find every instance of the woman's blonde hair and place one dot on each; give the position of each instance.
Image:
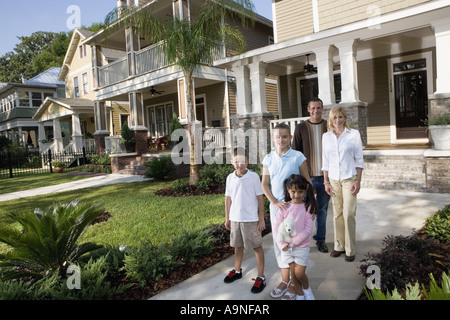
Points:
(334, 112)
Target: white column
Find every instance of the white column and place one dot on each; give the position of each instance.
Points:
(243, 102)
(258, 81)
(57, 136)
(349, 71)
(77, 137)
(42, 137)
(442, 34)
(324, 60)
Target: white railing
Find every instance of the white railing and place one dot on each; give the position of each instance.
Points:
(291, 122)
(147, 60)
(89, 145)
(113, 145)
(151, 58)
(215, 137)
(113, 72)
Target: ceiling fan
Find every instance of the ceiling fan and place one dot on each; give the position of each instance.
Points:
(154, 92)
(309, 68)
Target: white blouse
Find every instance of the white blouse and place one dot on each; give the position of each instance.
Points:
(341, 156)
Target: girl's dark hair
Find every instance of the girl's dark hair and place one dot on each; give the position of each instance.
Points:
(300, 182)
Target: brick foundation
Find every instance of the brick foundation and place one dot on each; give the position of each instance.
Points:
(415, 170)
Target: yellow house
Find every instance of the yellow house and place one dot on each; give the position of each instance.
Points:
(73, 117)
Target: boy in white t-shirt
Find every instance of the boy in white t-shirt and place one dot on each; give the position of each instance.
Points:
(244, 216)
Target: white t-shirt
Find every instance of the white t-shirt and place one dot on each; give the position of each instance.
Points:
(243, 192)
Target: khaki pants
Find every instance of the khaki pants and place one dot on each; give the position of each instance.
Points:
(344, 213)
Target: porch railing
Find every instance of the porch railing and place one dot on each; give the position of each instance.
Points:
(147, 60)
(151, 58)
(113, 145)
(291, 122)
(113, 72)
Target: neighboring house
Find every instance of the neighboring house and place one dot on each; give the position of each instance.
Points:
(20, 101)
(386, 61)
(153, 89)
(73, 117)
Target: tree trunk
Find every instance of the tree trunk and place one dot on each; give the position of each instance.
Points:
(194, 172)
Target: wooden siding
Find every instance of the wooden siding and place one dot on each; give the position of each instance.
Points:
(294, 19)
(334, 13)
(117, 110)
(374, 89)
(272, 98)
(78, 66)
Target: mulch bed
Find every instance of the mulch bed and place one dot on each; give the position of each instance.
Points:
(215, 188)
(189, 269)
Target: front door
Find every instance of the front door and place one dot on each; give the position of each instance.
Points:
(411, 102)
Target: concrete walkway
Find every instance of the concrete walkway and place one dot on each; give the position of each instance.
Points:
(380, 213)
(97, 181)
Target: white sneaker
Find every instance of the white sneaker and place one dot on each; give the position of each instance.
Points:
(308, 294)
(300, 297)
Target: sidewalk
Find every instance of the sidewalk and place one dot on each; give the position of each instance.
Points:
(80, 184)
(380, 213)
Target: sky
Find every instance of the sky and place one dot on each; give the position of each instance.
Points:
(25, 17)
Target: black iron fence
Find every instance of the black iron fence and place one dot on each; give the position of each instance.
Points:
(27, 162)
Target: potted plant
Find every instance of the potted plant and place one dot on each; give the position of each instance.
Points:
(58, 166)
(439, 127)
(127, 138)
(174, 126)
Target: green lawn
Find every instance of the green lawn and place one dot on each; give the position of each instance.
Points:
(137, 213)
(22, 183)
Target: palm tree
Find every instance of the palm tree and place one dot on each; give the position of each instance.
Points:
(46, 242)
(189, 43)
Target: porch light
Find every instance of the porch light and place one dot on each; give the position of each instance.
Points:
(309, 68)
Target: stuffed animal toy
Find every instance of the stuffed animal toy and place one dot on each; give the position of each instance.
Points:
(286, 230)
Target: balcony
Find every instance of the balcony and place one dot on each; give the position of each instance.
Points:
(149, 59)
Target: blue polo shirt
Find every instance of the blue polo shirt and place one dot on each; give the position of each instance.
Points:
(280, 168)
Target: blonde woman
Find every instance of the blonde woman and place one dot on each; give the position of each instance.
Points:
(342, 165)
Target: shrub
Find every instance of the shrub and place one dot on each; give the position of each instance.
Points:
(179, 186)
(94, 286)
(148, 262)
(438, 225)
(191, 244)
(102, 159)
(203, 184)
(403, 259)
(159, 168)
(46, 241)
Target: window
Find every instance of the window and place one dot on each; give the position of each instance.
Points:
(85, 84)
(83, 51)
(159, 118)
(36, 99)
(76, 88)
(24, 98)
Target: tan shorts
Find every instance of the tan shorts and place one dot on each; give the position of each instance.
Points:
(245, 234)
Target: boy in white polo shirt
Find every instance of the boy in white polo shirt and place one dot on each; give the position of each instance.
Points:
(244, 216)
